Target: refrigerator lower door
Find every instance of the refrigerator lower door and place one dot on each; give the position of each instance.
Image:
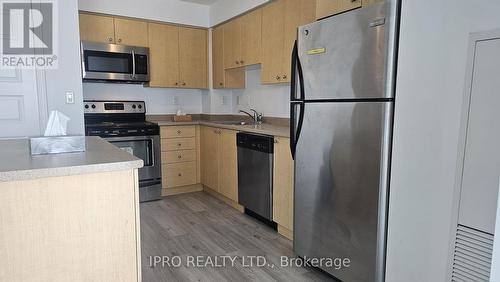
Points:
(341, 177)
(349, 56)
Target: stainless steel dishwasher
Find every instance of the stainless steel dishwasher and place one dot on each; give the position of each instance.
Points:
(255, 173)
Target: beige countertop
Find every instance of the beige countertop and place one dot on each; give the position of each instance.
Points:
(265, 128)
(16, 162)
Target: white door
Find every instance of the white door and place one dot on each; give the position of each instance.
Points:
(23, 110)
(19, 104)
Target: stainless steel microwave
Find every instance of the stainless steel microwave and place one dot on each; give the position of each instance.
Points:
(114, 63)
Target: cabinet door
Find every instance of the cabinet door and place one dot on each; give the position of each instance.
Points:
(251, 38)
(228, 170)
(218, 57)
(297, 13)
(273, 22)
(209, 155)
(131, 32)
(232, 44)
(193, 58)
(164, 55)
(283, 184)
(326, 8)
(97, 28)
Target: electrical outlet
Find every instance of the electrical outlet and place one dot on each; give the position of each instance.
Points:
(70, 97)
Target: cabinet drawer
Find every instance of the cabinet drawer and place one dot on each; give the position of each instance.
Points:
(180, 174)
(178, 144)
(178, 156)
(177, 131)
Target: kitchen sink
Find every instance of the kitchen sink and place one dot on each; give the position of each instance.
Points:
(232, 122)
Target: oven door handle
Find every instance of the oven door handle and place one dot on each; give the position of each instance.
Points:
(133, 64)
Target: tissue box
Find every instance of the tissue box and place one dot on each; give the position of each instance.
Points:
(57, 145)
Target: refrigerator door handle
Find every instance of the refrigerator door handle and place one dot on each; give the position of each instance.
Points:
(295, 132)
(296, 69)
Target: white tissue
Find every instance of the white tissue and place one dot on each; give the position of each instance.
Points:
(58, 122)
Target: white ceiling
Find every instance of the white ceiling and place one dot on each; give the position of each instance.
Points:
(203, 2)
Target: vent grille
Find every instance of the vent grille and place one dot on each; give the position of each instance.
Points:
(472, 256)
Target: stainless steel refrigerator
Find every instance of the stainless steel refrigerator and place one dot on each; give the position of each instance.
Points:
(342, 106)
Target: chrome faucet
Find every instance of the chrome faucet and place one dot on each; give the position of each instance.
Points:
(257, 117)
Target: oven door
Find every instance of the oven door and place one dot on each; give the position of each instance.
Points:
(146, 148)
(111, 62)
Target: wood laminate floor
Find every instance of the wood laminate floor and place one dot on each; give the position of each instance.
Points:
(198, 224)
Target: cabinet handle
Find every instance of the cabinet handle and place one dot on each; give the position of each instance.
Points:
(177, 83)
(237, 62)
(179, 157)
(180, 174)
(276, 141)
(110, 39)
(179, 145)
(278, 77)
(242, 62)
(179, 132)
(183, 84)
(284, 77)
(119, 40)
(221, 84)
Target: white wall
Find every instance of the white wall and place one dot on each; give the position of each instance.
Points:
(223, 10)
(68, 76)
(430, 87)
(272, 100)
(158, 100)
(173, 11)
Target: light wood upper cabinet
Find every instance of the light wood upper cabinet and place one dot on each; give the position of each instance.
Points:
(106, 29)
(218, 57)
(232, 44)
(251, 38)
(228, 168)
(326, 8)
(283, 184)
(193, 58)
(164, 55)
(243, 40)
(97, 28)
(209, 154)
(179, 56)
(224, 78)
(273, 39)
(281, 20)
(131, 32)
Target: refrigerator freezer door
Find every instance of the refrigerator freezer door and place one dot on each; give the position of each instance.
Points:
(341, 186)
(346, 56)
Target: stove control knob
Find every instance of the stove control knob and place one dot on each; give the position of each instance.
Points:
(134, 106)
(93, 107)
(140, 106)
(87, 106)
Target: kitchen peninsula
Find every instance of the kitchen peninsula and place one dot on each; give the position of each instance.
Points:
(69, 217)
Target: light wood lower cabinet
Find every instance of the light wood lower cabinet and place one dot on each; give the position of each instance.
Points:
(283, 187)
(180, 146)
(228, 166)
(219, 161)
(77, 228)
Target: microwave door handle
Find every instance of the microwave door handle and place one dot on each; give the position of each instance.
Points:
(133, 64)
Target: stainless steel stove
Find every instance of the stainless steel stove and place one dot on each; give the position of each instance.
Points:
(123, 123)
